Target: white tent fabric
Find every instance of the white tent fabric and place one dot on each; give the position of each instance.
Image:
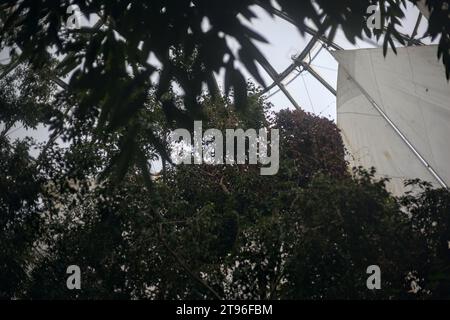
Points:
(411, 90)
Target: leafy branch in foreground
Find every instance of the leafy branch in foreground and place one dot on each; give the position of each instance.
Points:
(110, 66)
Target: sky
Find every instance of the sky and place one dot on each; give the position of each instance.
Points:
(285, 42)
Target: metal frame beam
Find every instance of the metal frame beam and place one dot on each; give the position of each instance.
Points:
(323, 38)
(276, 78)
(399, 133)
(293, 66)
(319, 78)
(307, 29)
(317, 36)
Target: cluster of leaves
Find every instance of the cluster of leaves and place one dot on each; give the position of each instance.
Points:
(310, 145)
(25, 99)
(430, 221)
(111, 65)
(199, 232)
(19, 214)
(202, 232)
(439, 26)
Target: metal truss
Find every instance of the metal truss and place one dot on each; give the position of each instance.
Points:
(299, 61)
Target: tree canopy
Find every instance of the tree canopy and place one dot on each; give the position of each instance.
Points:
(205, 232)
(196, 232)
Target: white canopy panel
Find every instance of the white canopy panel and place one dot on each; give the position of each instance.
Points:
(411, 90)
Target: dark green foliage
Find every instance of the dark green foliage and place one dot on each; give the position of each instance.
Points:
(108, 65)
(20, 219)
(430, 220)
(25, 99)
(310, 145)
(198, 232)
(346, 226)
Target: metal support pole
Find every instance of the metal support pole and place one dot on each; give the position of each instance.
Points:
(276, 78)
(307, 29)
(307, 67)
(400, 134)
